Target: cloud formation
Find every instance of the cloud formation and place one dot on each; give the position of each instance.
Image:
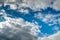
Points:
(19, 26)
(55, 36)
(36, 5)
(48, 18)
(56, 5)
(18, 29)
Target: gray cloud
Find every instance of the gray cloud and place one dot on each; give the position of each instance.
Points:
(15, 34)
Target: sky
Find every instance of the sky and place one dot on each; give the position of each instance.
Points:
(30, 20)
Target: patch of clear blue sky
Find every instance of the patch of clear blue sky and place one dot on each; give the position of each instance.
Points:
(29, 17)
(2, 19)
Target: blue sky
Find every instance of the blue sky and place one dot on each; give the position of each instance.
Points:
(43, 18)
(46, 29)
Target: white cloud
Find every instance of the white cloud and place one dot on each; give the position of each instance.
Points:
(56, 5)
(36, 5)
(50, 19)
(12, 6)
(55, 36)
(39, 3)
(42, 4)
(13, 23)
(24, 11)
(12, 27)
(19, 8)
(21, 23)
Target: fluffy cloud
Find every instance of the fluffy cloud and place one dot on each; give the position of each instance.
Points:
(42, 4)
(12, 27)
(23, 30)
(18, 8)
(27, 26)
(38, 4)
(24, 11)
(35, 4)
(55, 36)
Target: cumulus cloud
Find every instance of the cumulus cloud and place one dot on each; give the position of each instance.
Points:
(24, 11)
(12, 29)
(55, 36)
(18, 7)
(42, 4)
(23, 30)
(18, 29)
(27, 26)
(38, 4)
